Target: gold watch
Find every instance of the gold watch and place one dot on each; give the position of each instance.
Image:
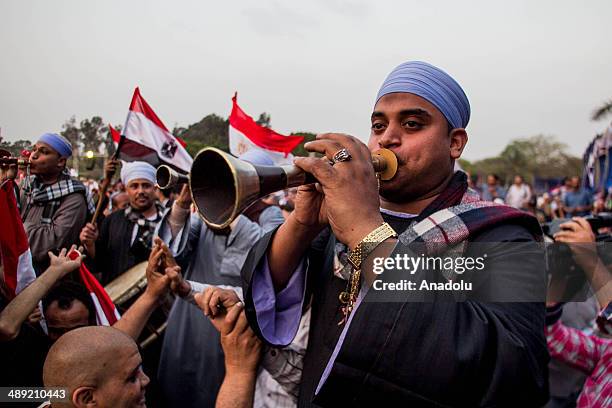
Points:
(369, 243)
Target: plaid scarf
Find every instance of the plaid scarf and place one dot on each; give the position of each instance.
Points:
(457, 214)
(446, 225)
(50, 195)
(146, 227)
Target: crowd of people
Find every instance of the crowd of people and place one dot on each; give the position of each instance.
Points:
(566, 200)
(273, 311)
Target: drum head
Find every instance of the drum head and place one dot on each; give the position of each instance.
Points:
(127, 284)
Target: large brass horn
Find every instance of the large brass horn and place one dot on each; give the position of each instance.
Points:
(166, 177)
(223, 186)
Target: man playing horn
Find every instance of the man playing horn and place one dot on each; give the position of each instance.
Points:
(421, 350)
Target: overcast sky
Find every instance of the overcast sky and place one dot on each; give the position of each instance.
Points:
(528, 67)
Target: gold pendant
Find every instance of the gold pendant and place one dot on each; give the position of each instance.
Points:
(346, 312)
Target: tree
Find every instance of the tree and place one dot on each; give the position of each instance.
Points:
(16, 147)
(5, 145)
(71, 132)
(91, 131)
(603, 111)
(299, 149)
(194, 146)
(466, 165)
(212, 130)
(535, 157)
(21, 145)
(90, 134)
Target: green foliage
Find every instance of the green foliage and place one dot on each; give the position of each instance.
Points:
(466, 165)
(538, 156)
(89, 134)
(71, 132)
(212, 130)
(16, 147)
(194, 146)
(308, 137)
(92, 133)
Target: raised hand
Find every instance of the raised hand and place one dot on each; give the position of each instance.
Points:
(110, 168)
(158, 283)
(213, 297)
(178, 285)
(63, 263)
(88, 236)
(580, 238)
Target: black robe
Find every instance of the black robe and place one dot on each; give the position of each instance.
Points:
(114, 252)
(437, 353)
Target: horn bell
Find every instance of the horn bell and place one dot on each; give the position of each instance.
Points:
(223, 186)
(166, 177)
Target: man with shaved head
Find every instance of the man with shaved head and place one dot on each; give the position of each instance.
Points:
(100, 366)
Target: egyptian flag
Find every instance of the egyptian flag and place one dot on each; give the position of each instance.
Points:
(245, 134)
(14, 247)
(106, 312)
(146, 138)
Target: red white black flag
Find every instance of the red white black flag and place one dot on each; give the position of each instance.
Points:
(146, 138)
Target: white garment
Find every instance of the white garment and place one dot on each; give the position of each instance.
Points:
(517, 196)
(280, 373)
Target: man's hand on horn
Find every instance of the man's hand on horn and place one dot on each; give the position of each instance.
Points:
(350, 202)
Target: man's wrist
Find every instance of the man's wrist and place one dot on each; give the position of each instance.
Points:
(302, 231)
(185, 289)
(185, 205)
(361, 231)
(152, 298)
(240, 371)
(55, 271)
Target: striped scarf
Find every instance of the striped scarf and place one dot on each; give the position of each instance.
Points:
(459, 214)
(448, 223)
(50, 195)
(146, 227)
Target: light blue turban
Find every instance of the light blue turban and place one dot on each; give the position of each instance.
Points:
(137, 170)
(58, 143)
(257, 157)
(434, 85)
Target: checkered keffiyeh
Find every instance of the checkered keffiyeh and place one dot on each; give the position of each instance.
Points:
(50, 195)
(459, 213)
(146, 227)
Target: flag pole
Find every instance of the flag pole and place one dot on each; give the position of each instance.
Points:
(106, 183)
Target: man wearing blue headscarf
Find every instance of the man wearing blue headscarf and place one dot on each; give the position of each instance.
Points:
(377, 335)
(53, 205)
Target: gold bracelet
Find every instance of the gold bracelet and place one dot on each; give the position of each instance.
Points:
(369, 243)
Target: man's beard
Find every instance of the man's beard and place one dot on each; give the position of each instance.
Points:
(136, 206)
